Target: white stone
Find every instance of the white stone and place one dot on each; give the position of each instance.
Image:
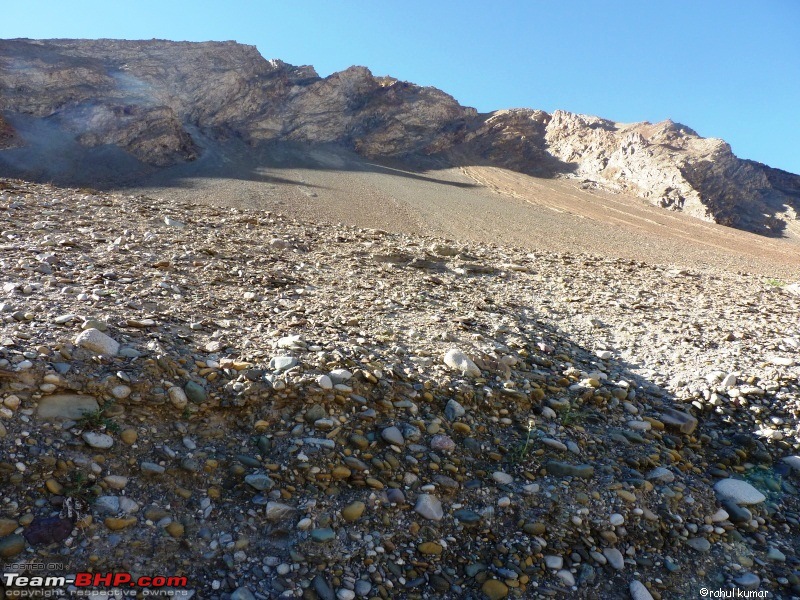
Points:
(639, 592)
(120, 392)
(340, 375)
(173, 222)
(719, 516)
(178, 397)
(292, 342)
(781, 361)
(604, 354)
(615, 558)
(98, 342)
(793, 461)
(661, 474)
(566, 577)
(552, 561)
(458, 361)
(98, 440)
(640, 425)
(429, 507)
(502, 478)
(325, 382)
(282, 363)
(616, 519)
(738, 491)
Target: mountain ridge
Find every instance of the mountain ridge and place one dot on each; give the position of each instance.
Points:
(165, 103)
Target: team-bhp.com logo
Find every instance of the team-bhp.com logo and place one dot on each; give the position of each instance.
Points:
(24, 585)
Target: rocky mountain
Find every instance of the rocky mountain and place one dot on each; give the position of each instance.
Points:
(70, 106)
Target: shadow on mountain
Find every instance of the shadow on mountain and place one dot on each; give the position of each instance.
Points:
(52, 155)
(108, 167)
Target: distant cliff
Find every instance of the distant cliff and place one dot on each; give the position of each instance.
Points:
(159, 103)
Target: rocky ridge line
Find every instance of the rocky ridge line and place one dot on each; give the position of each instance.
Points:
(164, 103)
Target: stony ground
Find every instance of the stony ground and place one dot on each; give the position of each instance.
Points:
(281, 409)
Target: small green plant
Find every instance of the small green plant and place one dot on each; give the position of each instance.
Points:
(775, 282)
(522, 449)
(97, 420)
(78, 486)
(572, 417)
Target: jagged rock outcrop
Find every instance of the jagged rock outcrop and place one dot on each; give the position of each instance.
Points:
(163, 103)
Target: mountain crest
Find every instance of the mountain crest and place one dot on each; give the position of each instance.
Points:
(154, 104)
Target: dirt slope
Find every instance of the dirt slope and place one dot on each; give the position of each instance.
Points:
(481, 204)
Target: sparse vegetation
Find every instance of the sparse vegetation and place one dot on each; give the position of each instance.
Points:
(522, 449)
(96, 420)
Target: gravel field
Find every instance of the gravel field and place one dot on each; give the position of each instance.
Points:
(209, 383)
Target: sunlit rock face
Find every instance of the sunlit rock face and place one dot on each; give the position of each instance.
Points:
(133, 105)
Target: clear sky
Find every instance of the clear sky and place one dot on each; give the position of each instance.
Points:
(726, 68)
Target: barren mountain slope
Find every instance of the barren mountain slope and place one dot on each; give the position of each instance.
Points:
(273, 408)
(480, 204)
(116, 110)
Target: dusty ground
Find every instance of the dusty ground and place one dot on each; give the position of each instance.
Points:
(473, 203)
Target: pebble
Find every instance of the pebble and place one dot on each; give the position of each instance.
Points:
(322, 534)
(353, 511)
(98, 342)
(120, 392)
(430, 507)
(277, 511)
(242, 593)
(551, 561)
(661, 475)
(699, 544)
(502, 478)
(11, 546)
(178, 397)
(259, 481)
(639, 591)
(561, 469)
(459, 361)
(97, 440)
(392, 435)
(151, 468)
(494, 589)
(793, 461)
(566, 577)
(282, 363)
(748, 581)
(195, 392)
(453, 410)
(614, 558)
(738, 492)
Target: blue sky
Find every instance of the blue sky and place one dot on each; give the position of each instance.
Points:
(728, 69)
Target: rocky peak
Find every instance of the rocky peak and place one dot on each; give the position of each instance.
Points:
(156, 103)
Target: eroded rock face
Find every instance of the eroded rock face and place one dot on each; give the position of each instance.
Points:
(164, 103)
